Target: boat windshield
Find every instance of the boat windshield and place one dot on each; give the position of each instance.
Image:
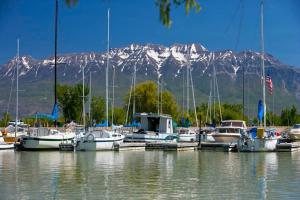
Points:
(296, 126)
(232, 123)
(229, 130)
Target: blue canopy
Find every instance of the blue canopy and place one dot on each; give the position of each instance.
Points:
(185, 122)
(260, 113)
(53, 116)
(103, 124)
(133, 124)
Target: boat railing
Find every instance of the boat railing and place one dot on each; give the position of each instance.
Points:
(41, 131)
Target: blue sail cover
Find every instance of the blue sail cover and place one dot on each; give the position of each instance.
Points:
(185, 122)
(133, 124)
(103, 124)
(53, 116)
(260, 112)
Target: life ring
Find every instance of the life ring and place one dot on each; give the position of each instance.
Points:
(90, 137)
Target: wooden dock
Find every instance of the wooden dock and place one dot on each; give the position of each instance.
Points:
(130, 146)
(172, 146)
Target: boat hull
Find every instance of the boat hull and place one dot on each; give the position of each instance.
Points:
(294, 136)
(98, 144)
(226, 138)
(4, 146)
(257, 145)
(187, 138)
(160, 137)
(44, 143)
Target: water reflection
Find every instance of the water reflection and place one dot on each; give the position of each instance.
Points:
(148, 175)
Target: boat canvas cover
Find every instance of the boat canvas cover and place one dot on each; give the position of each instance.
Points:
(53, 116)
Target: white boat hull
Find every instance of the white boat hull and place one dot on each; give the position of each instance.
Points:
(45, 142)
(4, 146)
(186, 137)
(294, 136)
(226, 138)
(160, 137)
(257, 145)
(98, 144)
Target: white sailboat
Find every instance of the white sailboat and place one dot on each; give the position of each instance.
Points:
(48, 138)
(187, 134)
(96, 139)
(11, 133)
(264, 139)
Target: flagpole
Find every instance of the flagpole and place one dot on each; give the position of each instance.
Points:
(262, 59)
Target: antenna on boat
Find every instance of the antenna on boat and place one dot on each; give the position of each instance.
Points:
(55, 56)
(17, 90)
(262, 57)
(106, 72)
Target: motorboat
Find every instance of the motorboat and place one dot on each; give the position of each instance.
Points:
(154, 128)
(98, 139)
(230, 131)
(294, 133)
(186, 134)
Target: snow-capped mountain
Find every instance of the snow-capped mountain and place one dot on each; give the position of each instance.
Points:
(151, 61)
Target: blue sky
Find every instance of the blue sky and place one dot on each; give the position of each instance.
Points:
(230, 24)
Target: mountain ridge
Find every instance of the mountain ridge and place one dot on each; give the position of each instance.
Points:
(151, 61)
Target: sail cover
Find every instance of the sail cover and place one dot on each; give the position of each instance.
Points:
(53, 116)
(260, 113)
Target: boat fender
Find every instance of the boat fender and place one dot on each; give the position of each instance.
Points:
(4, 132)
(90, 137)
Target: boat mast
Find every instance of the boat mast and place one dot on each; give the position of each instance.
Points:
(106, 72)
(17, 90)
(90, 97)
(157, 91)
(113, 97)
(55, 56)
(188, 86)
(83, 103)
(134, 79)
(262, 58)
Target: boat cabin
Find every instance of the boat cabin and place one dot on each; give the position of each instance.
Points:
(234, 123)
(155, 123)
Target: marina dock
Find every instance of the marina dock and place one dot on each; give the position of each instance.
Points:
(172, 146)
(129, 146)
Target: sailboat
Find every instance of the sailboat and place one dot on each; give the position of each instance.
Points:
(97, 139)
(45, 138)
(186, 133)
(261, 138)
(17, 128)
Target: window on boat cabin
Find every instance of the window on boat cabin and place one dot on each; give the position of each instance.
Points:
(238, 124)
(229, 130)
(296, 126)
(226, 124)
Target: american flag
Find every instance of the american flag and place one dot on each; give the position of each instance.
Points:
(269, 84)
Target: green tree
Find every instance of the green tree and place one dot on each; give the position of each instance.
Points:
(5, 119)
(98, 109)
(119, 116)
(70, 101)
(146, 97)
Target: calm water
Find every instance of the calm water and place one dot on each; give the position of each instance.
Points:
(149, 175)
